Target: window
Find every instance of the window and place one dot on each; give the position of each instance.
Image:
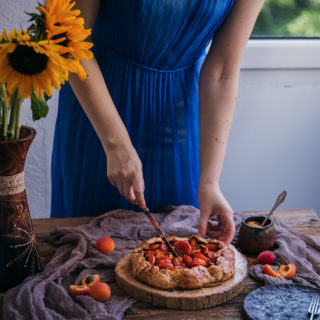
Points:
(288, 18)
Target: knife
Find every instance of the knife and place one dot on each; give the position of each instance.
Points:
(156, 226)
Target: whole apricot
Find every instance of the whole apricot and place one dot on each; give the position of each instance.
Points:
(266, 257)
(100, 291)
(105, 245)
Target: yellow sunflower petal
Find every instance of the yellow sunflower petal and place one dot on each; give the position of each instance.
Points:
(76, 67)
(5, 35)
(45, 80)
(66, 27)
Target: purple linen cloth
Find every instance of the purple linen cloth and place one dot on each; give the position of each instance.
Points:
(45, 296)
(293, 247)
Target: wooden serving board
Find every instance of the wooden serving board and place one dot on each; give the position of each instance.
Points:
(182, 299)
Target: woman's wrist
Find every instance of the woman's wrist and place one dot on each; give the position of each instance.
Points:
(116, 143)
(207, 179)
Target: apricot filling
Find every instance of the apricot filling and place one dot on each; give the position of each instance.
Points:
(191, 254)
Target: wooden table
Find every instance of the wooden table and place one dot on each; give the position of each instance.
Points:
(305, 221)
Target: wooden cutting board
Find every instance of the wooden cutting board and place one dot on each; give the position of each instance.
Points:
(182, 299)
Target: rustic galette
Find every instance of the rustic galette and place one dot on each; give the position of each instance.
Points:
(201, 263)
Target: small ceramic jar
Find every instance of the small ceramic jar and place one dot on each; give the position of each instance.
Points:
(253, 239)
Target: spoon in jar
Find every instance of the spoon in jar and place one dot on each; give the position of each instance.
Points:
(280, 199)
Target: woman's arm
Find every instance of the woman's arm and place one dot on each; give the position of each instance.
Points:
(218, 89)
(124, 167)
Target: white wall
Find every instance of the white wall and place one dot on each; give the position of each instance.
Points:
(273, 146)
(274, 141)
(37, 169)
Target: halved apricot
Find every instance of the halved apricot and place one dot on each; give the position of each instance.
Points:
(287, 271)
(269, 270)
(187, 259)
(159, 254)
(197, 262)
(194, 244)
(165, 264)
(182, 247)
(150, 257)
(90, 279)
(179, 263)
(201, 256)
(204, 249)
(78, 290)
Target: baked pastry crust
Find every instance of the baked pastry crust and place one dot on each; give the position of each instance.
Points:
(194, 277)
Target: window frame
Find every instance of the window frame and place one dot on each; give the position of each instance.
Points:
(282, 53)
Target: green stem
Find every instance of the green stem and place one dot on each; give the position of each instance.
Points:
(5, 112)
(12, 123)
(18, 115)
(13, 115)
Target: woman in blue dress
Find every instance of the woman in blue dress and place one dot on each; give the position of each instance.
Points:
(155, 111)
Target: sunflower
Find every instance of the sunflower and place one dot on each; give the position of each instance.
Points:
(65, 28)
(30, 66)
(14, 35)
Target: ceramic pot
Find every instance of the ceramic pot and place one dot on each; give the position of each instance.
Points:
(19, 256)
(256, 240)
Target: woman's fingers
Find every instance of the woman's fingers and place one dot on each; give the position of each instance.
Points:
(128, 190)
(124, 170)
(226, 221)
(203, 222)
(224, 230)
(132, 188)
(120, 187)
(138, 189)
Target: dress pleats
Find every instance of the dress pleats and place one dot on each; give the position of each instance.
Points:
(150, 53)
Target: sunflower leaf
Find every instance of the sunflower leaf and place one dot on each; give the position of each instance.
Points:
(46, 97)
(34, 16)
(39, 107)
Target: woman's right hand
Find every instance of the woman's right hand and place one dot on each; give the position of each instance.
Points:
(124, 170)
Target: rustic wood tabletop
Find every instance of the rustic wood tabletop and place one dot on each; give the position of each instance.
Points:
(305, 221)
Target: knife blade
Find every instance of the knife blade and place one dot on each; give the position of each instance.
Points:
(156, 226)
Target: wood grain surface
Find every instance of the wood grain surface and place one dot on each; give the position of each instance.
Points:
(305, 220)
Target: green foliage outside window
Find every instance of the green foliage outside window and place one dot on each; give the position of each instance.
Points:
(289, 18)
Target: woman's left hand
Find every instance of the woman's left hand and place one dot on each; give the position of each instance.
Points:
(213, 203)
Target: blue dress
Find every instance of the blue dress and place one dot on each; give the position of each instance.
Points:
(150, 53)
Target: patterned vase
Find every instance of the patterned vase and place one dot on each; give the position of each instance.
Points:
(19, 256)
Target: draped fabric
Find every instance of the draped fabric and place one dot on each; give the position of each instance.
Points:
(150, 53)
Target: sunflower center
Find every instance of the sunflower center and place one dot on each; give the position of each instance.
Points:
(26, 61)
